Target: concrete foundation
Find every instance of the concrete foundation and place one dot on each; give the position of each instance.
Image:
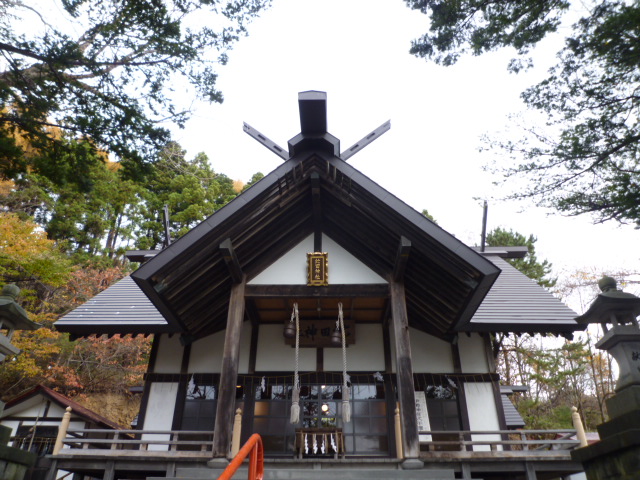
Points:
(617, 455)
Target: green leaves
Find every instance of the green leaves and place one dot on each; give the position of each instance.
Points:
(529, 265)
(585, 159)
(112, 82)
(479, 26)
(191, 189)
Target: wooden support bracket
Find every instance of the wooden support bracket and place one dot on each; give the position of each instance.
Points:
(230, 258)
(402, 258)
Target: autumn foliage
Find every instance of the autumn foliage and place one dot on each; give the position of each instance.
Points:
(51, 286)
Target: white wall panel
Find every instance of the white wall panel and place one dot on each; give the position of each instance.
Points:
(367, 354)
(291, 268)
(206, 353)
(169, 358)
(429, 354)
(159, 414)
(481, 407)
(274, 355)
(473, 357)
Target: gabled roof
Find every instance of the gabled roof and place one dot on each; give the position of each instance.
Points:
(63, 402)
(122, 308)
(517, 303)
(315, 190)
(512, 417)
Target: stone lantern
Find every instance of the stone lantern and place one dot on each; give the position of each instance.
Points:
(617, 455)
(12, 317)
(14, 463)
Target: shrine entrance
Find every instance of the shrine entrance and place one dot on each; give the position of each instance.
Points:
(321, 410)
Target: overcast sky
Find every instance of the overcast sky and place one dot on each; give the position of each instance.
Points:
(357, 52)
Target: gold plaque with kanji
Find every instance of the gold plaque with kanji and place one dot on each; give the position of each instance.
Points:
(318, 269)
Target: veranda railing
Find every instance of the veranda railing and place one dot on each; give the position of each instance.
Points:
(158, 441)
(496, 440)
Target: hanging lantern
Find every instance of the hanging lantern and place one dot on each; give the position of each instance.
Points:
(289, 330)
(336, 338)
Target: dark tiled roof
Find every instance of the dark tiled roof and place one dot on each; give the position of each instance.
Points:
(121, 308)
(515, 303)
(65, 402)
(512, 417)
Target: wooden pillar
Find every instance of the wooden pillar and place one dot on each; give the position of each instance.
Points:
(404, 371)
(229, 374)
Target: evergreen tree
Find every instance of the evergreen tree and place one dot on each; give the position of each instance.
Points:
(586, 161)
(529, 265)
(114, 81)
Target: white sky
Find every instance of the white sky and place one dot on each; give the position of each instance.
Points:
(357, 51)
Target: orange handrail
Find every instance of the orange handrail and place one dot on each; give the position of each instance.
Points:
(256, 462)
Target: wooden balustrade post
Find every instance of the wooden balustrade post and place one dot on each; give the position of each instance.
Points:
(398, 433)
(62, 431)
(116, 436)
(577, 424)
(237, 431)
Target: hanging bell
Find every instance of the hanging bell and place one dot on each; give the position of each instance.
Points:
(289, 330)
(336, 338)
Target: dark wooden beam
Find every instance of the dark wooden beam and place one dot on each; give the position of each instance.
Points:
(359, 290)
(455, 356)
(229, 373)
(252, 312)
(404, 372)
(317, 211)
(386, 347)
(230, 258)
(319, 359)
(253, 349)
(402, 257)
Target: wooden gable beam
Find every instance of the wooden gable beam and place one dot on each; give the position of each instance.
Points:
(230, 258)
(356, 147)
(402, 258)
(317, 211)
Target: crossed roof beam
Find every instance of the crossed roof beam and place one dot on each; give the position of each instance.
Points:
(313, 131)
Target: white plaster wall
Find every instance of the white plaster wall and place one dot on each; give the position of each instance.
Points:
(77, 424)
(33, 410)
(291, 268)
(367, 354)
(473, 357)
(206, 353)
(159, 414)
(169, 358)
(12, 424)
(429, 354)
(274, 355)
(56, 410)
(481, 407)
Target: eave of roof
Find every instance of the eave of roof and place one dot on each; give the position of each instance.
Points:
(120, 309)
(64, 402)
(275, 213)
(518, 304)
(512, 417)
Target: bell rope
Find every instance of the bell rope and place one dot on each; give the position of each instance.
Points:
(295, 392)
(346, 406)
